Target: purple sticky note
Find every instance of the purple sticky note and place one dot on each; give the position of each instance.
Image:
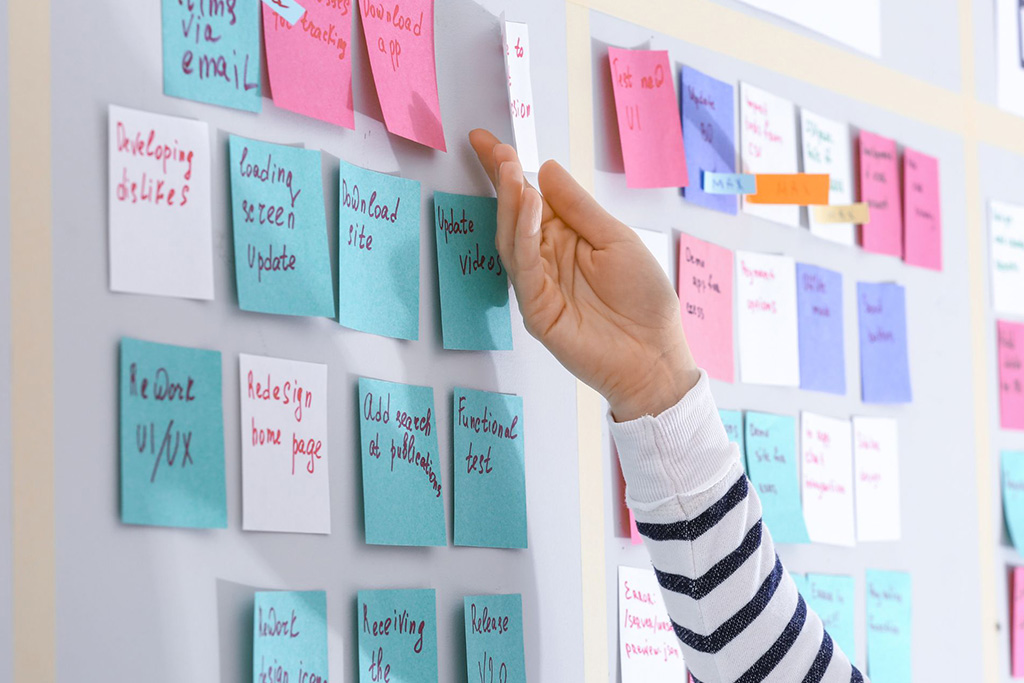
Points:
(709, 134)
(884, 366)
(819, 303)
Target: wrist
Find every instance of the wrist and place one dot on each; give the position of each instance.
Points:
(663, 388)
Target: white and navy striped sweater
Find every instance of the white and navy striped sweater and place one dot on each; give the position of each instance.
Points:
(733, 605)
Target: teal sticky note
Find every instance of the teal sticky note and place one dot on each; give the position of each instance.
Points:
(772, 468)
(801, 583)
(212, 52)
(282, 264)
(172, 436)
(402, 502)
(494, 638)
(289, 640)
(732, 420)
(473, 284)
(490, 470)
(888, 617)
(379, 253)
(289, 10)
(831, 597)
(1013, 496)
(397, 636)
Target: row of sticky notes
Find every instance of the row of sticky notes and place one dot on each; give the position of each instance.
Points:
(161, 243)
(172, 451)
(665, 144)
(397, 636)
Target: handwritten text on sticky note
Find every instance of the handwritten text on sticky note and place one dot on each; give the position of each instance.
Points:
(494, 638)
(827, 148)
(877, 476)
(705, 300)
(397, 636)
(827, 449)
(290, 637)
(769, 145)
(648, 647)
(820, 313)
(880, 189)
(709, 132)
(767, 319)
(516, 42)
(922, 211)
(772, 467)
(884, 361)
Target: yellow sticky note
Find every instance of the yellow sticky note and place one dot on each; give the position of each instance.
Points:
(848, 213)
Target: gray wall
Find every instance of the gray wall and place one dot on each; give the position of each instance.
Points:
(6, 666)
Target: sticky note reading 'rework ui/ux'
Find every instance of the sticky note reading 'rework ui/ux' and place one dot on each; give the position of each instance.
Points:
(888, 617)
(1006, 228)
(379, 253)
(290, 636)
(400, 40)
(516, 42)
(475, 313)
(648, 115)
(705, 300)
(877, 475)
(490, 470)
(709, 131)
(819, 301)
(767, 319)
(280, 229)
(831, 598)
(769, 145)
(1011, 374)
(922, 212)
(827, 149)
(494, 638)
(310, 61)
(212, 52)
(172, 436)
(402, 500)
(772, 467)
(880, 190)
(397, 636)
(648, 647)
(827, 458)
(884, 364)
(1013, 496)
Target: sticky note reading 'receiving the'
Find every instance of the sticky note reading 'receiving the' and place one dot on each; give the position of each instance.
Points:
(827, 457)
(475, 313)
(648, 115)
(769, 145)
(767, 319)
(494, 638)
(819, 301)
(922, 211)
(877, 474)
(397, 636)
(516, 42)
(280, 229)
(705, 300)
(880, 190)
(379, 253)
(289, 640)
(709, 131)
(172, 436)
(648, 647)
(772, 467)
(828, 149)
(888, 618)
(400, 40)
(1013, 496)
(212, 52)
(884, 364)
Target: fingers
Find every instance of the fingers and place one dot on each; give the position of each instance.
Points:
(577, 208)
(509, 187)
(526, 267)
(484, 142)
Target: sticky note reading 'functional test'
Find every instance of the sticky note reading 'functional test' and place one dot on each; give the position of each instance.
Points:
(888, 618)
(648, 114)
(922, 212)
(831, 598)
(309, 60)
(768, 135)
(819, 300)
(767, 319)
(884, 364)
(490, 470)
(827, 457)
(1011, 374)
(289, 640)
(475, 313)
(494, 638)
(1013, 496)
(402, 500)
(880, 190)
(1017, 625)
(705, 300)
(709, 132)
(379, 253)
(285, 482)
(772, 468)
(648, 647)
(1006, 231)
(400, 40)
(516, 42)
(397, 636)
(828, 149)
(877, 476)
(280, 229)
(159, 202)
(212, 52)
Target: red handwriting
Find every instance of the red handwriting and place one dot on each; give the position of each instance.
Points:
(394, 18)
(287, 393)
(637, 595)
(148, 146)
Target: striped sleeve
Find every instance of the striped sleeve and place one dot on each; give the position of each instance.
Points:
(734, 607)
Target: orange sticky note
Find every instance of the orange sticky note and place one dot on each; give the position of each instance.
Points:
(802, 189)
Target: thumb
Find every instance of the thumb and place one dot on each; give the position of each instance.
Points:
(577, 208)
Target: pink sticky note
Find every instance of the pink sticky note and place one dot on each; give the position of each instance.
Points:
(1017, 622)
(634, 533)
(705, 300)
(310, 62)
(922, 213)
(1011, 374)
(400, 40)
(648, 112)
(880, 189)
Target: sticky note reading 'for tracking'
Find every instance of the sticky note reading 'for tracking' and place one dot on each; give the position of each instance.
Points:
(888, 617)
(397, 636)
(709, 131)
(289, 640)
(819, 299)
(772, 467)
(648, 647)
(767, 319)
(494, 638)
(827, 475)
(884, 363)
(705, 300)
(880, 190)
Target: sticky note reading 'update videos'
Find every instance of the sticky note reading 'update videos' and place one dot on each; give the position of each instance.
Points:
(709, 132)
(648, 114)
(819, 300)
(772, 467)
(922, 213)
(705, 300)
(494, 638)
(397, 636)
(767, 319)
(884, 363)
(880, 190)
(877, 475)
(648, 647)
(888, 618)
(769, 145)
(827, 450)
(1013, 496)
(828, 149)
(289, 640)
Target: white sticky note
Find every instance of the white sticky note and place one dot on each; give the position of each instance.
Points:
(159, 203)
(1010, 55)
(877, 475)
(826, 446)
(856, 23)
(768, 135)
(285, 486)
(516, 40)
(648, 647)
(827, 148)
(1006, 232)
(767, 319)
(658, 244)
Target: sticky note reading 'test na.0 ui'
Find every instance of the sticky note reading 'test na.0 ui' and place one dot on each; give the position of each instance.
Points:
(648, 647)
(709, 133)
(211, 52)
(772, 467)
(516, 43)
(379, 253)
(922, 211)
(880, 190)
(827, 475)
(494, 638)
(1013, 496)
(769, 145)
(767, 319)
(397, 636)
(819, 301)
(172, 436)
(475, 313)
(888, 619)
(280, 230)
(402, 501)
(648, 114)
(827, 149)
(289, 640)
(877, 475)
(705, 300)
(884, 362)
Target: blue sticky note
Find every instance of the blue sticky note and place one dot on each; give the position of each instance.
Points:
(819, 305)
(402, 503)
(728, 183)
(772, 467)
(282, 264)
(831, 597)
(490, 470)
(212, 52)
(494, 638)
(397, 636)
(732, 420)
(172, 436)
(289, 10)
(289, 640)
(379, 253)
(884, 366)
(709, 133)
(475, 313)
(888, 617)
(1013, 496)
